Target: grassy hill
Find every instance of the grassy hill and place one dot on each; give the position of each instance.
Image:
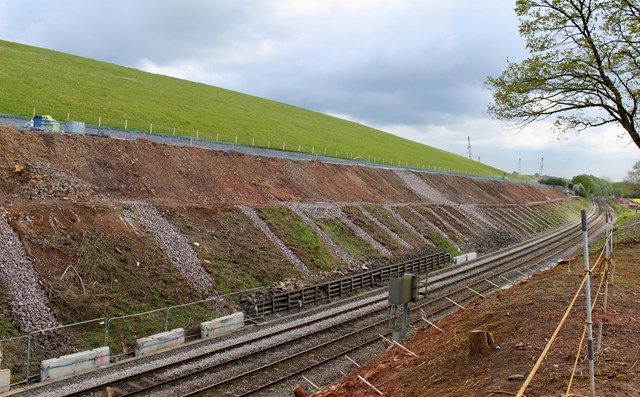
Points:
(64, 85)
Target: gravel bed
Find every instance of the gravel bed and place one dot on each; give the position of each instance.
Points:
(264, 228)
(431, 194)
(117, 371)
(382, 226)
(273, 349)
(174, 245)
(326, 239)
(29, 304)
(406, 224)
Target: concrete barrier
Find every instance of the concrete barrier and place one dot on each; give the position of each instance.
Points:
(5, 380)
(464, 258)
(222, 325)
(74, 364)
(159, 342)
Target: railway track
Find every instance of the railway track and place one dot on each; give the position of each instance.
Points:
(266, 361)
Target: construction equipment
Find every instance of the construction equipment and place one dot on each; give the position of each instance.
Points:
(43, 123)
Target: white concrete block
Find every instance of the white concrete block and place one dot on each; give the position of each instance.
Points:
(222, 325)
(159, 342)
(464, 258)
(74, 364)
(5, 380)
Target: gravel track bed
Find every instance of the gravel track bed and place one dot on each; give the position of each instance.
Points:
(326, 239)
(379, 224)
(174, 245)
(264, 228)
(117, 371)
(282, 347)
(29, 304)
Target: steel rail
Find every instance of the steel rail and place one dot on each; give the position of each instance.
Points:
(443, 276)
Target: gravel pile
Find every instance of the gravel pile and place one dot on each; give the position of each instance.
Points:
(382, 226)
(260, 224)
(422, 188)
(406, 224)
(43, 181)
(29, 304)
(174, 245)
(326, 239)
(319, 210)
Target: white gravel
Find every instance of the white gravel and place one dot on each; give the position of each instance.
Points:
(29, 303)
(174, 244)
(264, 228)
(415, 183)
(382, 226)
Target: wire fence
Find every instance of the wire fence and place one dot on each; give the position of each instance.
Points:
(131, 129)
(23, 354)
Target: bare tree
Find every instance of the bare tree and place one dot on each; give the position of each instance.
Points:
(583, 69)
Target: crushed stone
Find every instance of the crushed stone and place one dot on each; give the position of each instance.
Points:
(431, 194)
(29, 304)
(174, 245)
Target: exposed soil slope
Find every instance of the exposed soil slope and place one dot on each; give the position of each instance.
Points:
(521, 319)
(149, 171)
(114, 227)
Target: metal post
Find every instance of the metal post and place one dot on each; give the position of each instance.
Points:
(585, 253)
(599, 336)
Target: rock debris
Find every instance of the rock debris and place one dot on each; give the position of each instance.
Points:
(174, 245)
(29, 303)
(431, 194)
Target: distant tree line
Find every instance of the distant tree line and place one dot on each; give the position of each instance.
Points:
(582, 185)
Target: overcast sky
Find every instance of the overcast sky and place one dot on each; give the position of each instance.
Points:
(412, 68)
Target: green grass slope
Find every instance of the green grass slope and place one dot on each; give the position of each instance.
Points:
(64, 85)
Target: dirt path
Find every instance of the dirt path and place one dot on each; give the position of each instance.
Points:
(521, 320)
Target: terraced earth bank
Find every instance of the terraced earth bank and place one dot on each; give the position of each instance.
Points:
(96, 227)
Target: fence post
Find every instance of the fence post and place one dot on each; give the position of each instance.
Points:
(174, 130)
(151, 127)
(99, 121)
(197, 134)
(587, 290)
(125, 124)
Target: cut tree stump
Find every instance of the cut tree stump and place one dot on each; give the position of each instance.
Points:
(298, 391)
(480, 343)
